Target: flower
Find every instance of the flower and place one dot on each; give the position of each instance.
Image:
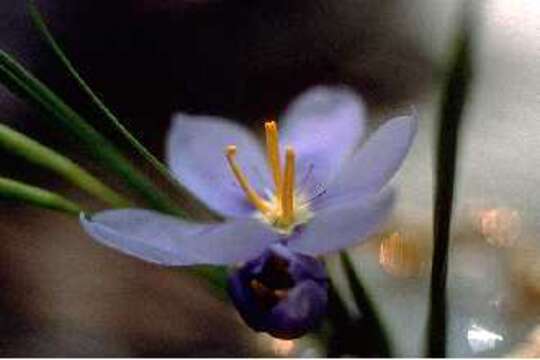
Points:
(317, 195)
(280, 292)
(337, 200)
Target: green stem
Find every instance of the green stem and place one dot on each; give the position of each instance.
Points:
(15, 190)
(23, 83)
(358, 335)
(374, 330)
(456, 89)
(38, 154)
(39, 22)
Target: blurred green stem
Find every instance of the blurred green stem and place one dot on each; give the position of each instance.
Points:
(38, 154)
(23, 83)
(454, 97)
(15, 190)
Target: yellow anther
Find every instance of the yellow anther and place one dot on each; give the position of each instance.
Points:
(287, 190)
(251, 194)
(272, 152)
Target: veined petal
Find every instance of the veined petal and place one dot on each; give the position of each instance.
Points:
(166, 240)
(374, 164)
(196, 155)
(340, 226)
(323, 126)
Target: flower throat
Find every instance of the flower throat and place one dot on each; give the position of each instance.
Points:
(283, 210)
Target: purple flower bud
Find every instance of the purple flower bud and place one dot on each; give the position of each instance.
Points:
(281, 292)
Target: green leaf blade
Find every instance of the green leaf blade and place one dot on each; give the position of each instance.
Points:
(40, 155)
(20, 81)
(18, 191)
(195, 206)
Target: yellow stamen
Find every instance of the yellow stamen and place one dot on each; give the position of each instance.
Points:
(272, 152)
(287, 191)
(251, 194)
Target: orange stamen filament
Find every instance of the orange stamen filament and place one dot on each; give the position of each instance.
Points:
(252, 196)
(272, 152)
(287, 190)
(279, 210)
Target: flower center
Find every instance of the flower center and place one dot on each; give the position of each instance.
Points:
(284, 208)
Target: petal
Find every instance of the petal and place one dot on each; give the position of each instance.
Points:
(300, 312)
(166, 240)
(324, 126)
(295, 313)
(196, 155)
(374, 164)
(340, 226)
(301, 267)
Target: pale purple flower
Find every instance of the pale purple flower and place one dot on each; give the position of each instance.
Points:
(324, 191)
(329, 194)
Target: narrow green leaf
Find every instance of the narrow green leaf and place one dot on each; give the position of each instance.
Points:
(195, 207)
(455, 92)
(18, 191)
(23, 83)
(38, 154)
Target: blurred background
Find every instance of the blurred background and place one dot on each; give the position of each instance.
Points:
(65, 295)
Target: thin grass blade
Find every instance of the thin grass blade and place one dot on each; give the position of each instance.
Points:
(195, 207)
(21, 82)
(40, 155)
(21, 192)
